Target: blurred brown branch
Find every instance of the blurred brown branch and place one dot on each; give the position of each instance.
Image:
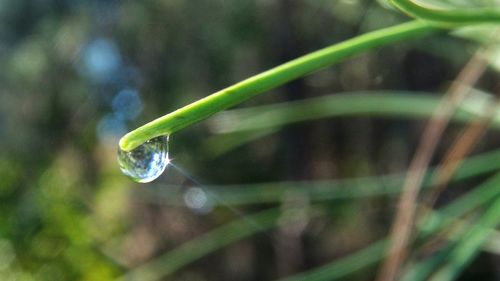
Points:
(407, 204)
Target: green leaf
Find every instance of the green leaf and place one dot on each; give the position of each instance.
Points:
(270, 79)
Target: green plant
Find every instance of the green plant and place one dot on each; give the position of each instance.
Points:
(272, 78)
(429, 20)
(191, 251)
(314, 61)
(452, 16)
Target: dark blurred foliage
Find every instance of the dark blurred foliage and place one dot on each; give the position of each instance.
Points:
(76, 75)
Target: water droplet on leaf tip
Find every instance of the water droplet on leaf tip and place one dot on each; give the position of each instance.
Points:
(146, 162)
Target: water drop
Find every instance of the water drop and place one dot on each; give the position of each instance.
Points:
(146, 162)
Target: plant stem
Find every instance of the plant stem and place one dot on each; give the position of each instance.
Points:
(395, 104)
(197, 248)
(470, 244)
(454, 16)
(340, 268)
(270, 79)
(317, 191)
(210, 242)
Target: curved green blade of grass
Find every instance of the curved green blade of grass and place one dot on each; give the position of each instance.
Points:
(470, 245)
(199, 247)
(423, 270)
(375, 252)
(210, 242)
(272, 78)
(345, 266)
(456, 256)
(236, 127)
(234, 231)
(319, 190)
(395, 104)
(452, 16)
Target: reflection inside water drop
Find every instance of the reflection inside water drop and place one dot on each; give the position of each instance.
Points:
(146, 162)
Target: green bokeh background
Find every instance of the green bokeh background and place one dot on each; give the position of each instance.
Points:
(66, 211)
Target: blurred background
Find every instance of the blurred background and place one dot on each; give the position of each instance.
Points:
(76, 75)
